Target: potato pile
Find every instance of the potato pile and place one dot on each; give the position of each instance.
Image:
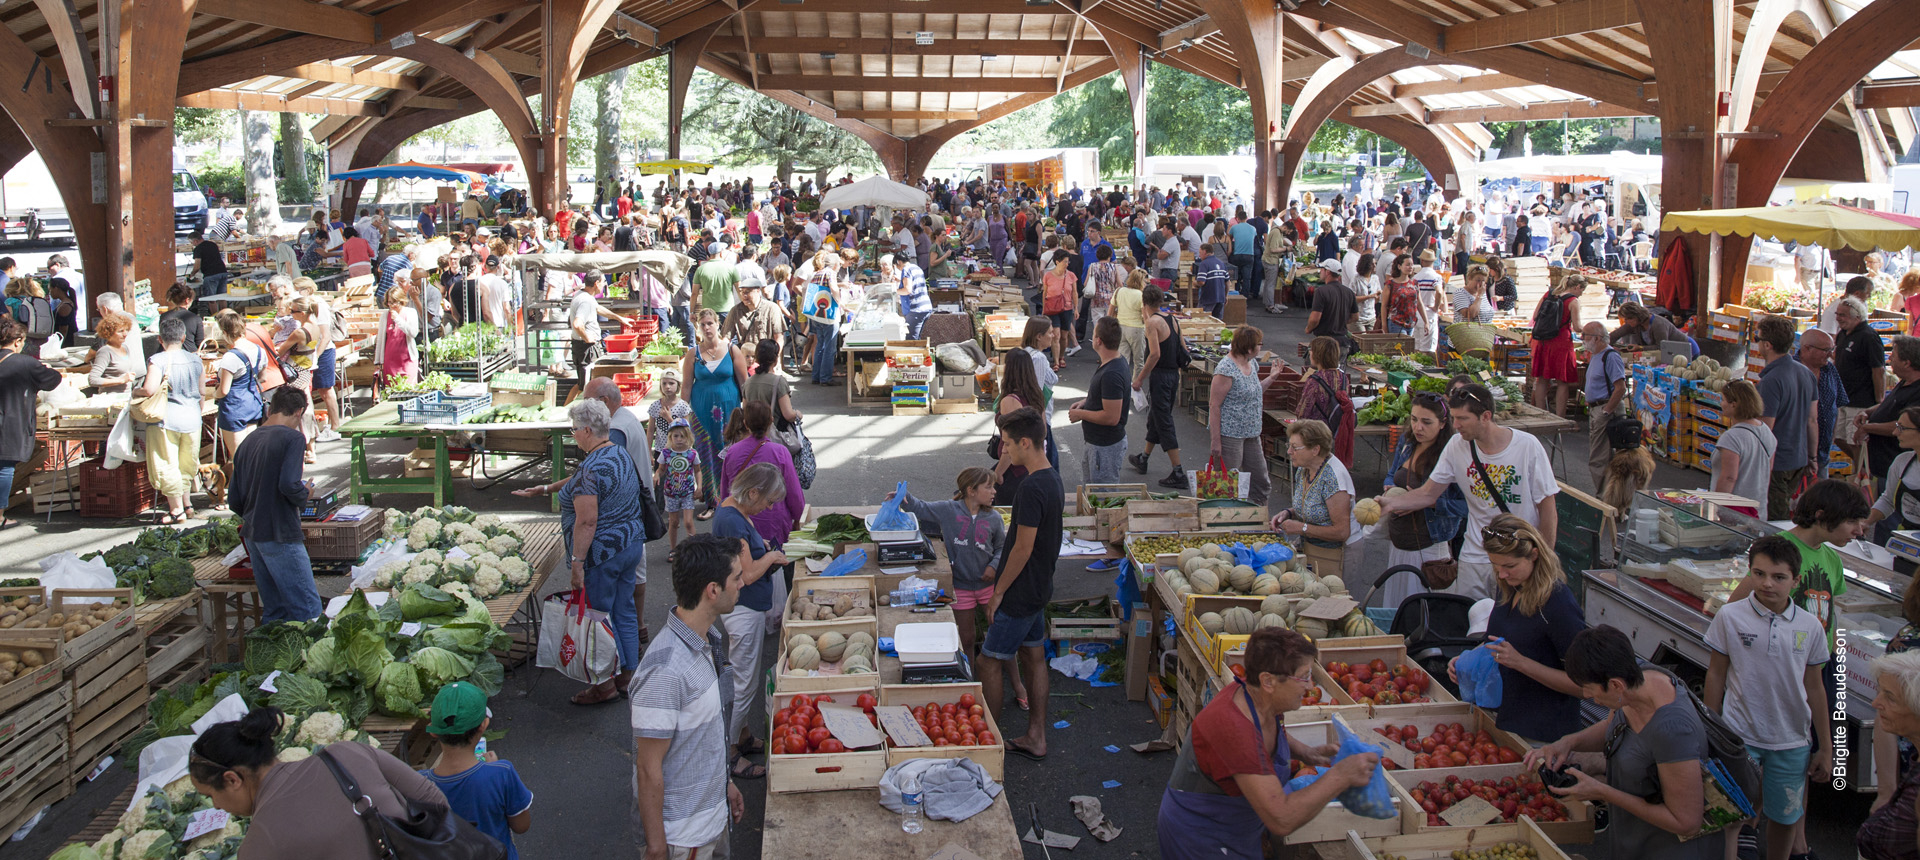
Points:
(824, 605)
(15, 663)
(855, 654)
(27, 613)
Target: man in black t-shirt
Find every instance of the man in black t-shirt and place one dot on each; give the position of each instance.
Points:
(1023, 580)
(1333, 305)
(209, 264)
(1103, 415)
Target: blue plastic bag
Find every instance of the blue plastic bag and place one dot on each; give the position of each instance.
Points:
(1273, 553)
(891, 518)
(1479, 675)
(1303, 780)
(850, 561)
(1240, 553)
(1375, 799)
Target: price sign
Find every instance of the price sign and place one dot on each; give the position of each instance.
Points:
(1329, 608)
(850, 726)
(1467, 813)
(204, 822)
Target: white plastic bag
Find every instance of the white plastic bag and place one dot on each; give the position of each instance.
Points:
(65, 570)
(54, 349)
(1141, 402)
(165, 760)
(576, 639)
(123, 442)
(361, 575)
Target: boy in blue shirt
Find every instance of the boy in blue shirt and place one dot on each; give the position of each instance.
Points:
(479, 786)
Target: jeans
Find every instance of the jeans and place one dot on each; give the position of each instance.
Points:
(679, 319)
(6, 483)
(915, 321)
(824, 351)
(212, 284)
(610, 590)
(1245, 273)
(284, 574)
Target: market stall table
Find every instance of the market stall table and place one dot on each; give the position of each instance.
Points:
(383, 422)
(836, 824)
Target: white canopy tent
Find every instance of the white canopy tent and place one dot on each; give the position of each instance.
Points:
(874, 191)
(1618, 165)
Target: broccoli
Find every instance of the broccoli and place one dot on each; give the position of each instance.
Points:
(169, 577)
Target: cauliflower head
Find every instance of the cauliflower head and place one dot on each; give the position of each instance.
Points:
(516, 571)
(389, 574)
(110, 841)
(178, 790)
(396, 525)
(423, 534)
(293, 754)
(458, 589)
(136, 815)
(487, 582)
(321, 728)
(418, 574)
(487, 521)
(142, 843)
(486, 559)
(429, 557)
(503, 545)
(472, 548)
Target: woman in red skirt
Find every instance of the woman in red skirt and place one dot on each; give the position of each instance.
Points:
(1553, 360)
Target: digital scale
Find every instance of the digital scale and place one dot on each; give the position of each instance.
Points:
(1905, 545)
(956, 671)
(930, 653)
(905, 552)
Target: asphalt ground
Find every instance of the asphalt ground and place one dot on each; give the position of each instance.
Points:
(578, 761)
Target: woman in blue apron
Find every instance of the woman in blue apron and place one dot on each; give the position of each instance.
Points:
(1226, 787)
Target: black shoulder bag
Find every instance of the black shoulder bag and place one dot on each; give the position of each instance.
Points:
(426, 833)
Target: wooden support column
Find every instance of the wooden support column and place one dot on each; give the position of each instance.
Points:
(69, 152)
(682, 58)
(1252, 28)
(1693, 59)
(141, 55)
(571, 26)
(1795, 108)
(1131, 57)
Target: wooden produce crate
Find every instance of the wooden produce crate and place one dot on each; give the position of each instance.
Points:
(805, 588)
(118, 626)
(1333, 822)
(1394, 655)
(34, 750)
(55, 489)
(1424, 718)
(21, 725)
(1212, 649)
(46, 785)
(344, 541)
(1067, 628)
(1109, 523)
(1172, 515)
(1577, 829)
(854, 769)
(1382, 344)
(176, 650)
(110, 696)
(30, 682)
(1443, 845)
(1231, 514)
(785, 683)
(991, 757)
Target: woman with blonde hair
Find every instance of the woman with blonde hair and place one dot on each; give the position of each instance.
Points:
(1743, 454)
(1535, 618)
(114, 368)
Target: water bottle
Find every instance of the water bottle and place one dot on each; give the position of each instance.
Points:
(910, 812)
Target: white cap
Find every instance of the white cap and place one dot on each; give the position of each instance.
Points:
(1330, 265)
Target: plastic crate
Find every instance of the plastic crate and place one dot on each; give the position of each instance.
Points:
(439, 407)
(642, 325)
(474, 370)
(622, 343)
(114, 493)
(634, 387)
(343, 540)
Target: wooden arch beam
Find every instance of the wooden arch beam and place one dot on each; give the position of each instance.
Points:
(1252, 29)
(921, 148)
(372, 143)
(70, 36)
(481, 74)
(1426, 146)
(1310, 113)
(67, 150)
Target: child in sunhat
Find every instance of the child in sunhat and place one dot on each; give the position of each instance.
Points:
(478, 785)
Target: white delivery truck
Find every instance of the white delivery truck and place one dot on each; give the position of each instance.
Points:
(1229, 175)
(1906, 189)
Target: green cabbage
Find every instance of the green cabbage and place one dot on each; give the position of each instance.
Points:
(298, 694)
(488, 674)
(76, 851)
(323, 657)
(440, 666)
(276, 645)
(366, 656)
(467, 637)
(398, 691)
(424, 601)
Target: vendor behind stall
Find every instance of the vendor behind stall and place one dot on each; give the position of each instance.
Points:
(1900, 500)
(1227, 786)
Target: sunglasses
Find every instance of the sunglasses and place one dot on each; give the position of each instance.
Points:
(1506, 533)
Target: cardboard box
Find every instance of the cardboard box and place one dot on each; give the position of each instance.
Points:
(1235, 312)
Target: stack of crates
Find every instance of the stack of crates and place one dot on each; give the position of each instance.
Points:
(910, 370)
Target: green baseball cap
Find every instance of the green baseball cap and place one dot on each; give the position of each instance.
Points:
(458, 708)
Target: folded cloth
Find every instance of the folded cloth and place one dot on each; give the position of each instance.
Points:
(951, 789)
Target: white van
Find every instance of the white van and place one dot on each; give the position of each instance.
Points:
(189, 202)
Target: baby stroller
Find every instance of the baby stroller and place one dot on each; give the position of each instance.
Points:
(1434, 624)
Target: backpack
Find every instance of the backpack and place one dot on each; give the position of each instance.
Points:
(36, 313)
(1550, 318)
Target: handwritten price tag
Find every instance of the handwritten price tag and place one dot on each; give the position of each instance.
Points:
(1467, 813)
(268, 685)
(204, 822)
(409, 628)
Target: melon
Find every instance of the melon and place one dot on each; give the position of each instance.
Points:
(1204, 581)
(1196, 563)
(1270, 619)
(1292, 583)
(857, 665)
(1317, 589)
(1212, 623)
(1265, 584)
(856, 648)
(1366, 512)
(1211, 550)
(1183, 589)
(1187, 555)
(1238, 620)
(832, 646)
(799, 639)
(1241, 576)
(1273, 570)
(1393, 491)
(1334, 584)
(803, 657)
(1312, 628)
(1275, 605)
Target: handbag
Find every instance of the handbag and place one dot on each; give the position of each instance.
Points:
(651, 522)
(804, 466)
(1439, 574)
(152, 409)
(426, 832)
(1217, 481)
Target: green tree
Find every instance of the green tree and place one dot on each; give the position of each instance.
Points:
(1186, 115)
(746, 128)
(202, 125)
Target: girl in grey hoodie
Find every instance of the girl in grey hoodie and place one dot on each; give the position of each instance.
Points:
(972, 531)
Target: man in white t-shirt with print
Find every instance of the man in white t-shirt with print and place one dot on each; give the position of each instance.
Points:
(1516, 467)
(496, 295)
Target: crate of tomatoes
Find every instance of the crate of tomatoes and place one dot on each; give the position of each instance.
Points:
(805, 754)
(1512, 789)
(1439, 735)
(954, 720)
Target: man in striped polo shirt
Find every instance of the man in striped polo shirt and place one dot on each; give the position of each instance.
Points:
(685, 801)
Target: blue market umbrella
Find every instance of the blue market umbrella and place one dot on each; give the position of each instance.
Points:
(407, 170)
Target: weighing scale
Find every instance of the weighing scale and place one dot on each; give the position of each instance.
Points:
(930, 654)
(905, 552)
(1905, 545)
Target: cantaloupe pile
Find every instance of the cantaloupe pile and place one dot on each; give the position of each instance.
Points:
(854, 654)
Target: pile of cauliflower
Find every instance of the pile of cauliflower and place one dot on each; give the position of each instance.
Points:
(455, 547)
(151, 830)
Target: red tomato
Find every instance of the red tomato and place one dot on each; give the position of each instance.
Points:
(1378, 665)
(802, 701)
(949, 708)
(779, 745)
(831, 745)
(987, 739)
(780, 718)
(969, 739)
(977, 724)
(976, 710)
(1459, 758)
(816, 721)
(867, 702)
(967, 700)
(818, 736)
(1476, 760)
(1508, 756)
(1422, 762)
(823, 700)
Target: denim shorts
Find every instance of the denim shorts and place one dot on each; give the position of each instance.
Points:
(1007, 634)
(1783, 782)
(324, 375)
(1062, 320)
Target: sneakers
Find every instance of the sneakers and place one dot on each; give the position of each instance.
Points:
(1104, 565)
(1176, 479)
(327, 435)
(1139, 462)
(1073, 351)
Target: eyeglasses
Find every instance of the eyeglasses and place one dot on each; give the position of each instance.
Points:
(1506, 533)
(1814, 347)
(1905, 427)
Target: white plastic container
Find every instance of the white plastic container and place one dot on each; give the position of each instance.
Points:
(897, 536)
(934, 642)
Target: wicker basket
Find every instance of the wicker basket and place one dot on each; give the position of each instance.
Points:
(1467, 337)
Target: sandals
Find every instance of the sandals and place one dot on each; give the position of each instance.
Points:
(704, 516)
(749, 771)
(750, 747)
(171, 518)
(588, 697)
